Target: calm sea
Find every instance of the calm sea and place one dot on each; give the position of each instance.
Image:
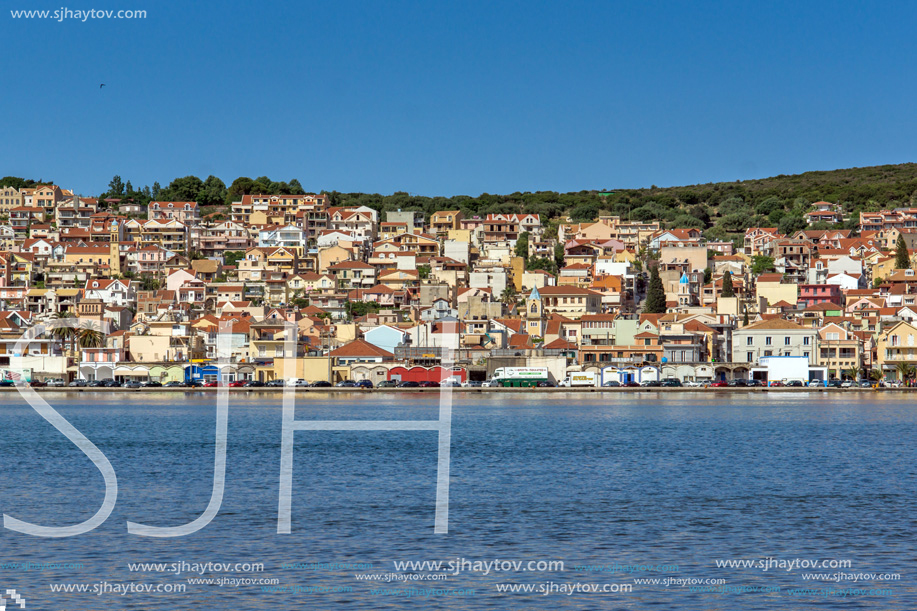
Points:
(621, 489)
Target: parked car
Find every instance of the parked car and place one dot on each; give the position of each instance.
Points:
(815, 383)
(865, 384)
(78, 384)
(174, 384)
(365, 384)
(651, 384)
(631, 384)
(612, 384)
(388, 384)
(37, 384)
(834, 383)
(152, 384)
(546, 384)
(132, 384)
(211, 384)
(56, 382)
(409, 384)
(719, 384)
(346, 384)
(737, 383)
(671, 383)
(776, 384)
(237, 384)
(755, 383)
(96, 383)
(795, 383)
(5, 383)
(196, 383)
(694, 384)
(429, 384)
(254, 384)
(472, 384)
(321, 384)
(451, 384)
(275, 384)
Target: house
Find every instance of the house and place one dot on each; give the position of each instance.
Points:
(570, 301)
(360, 351)
(773, 337)
(113, 292)
(187, 213)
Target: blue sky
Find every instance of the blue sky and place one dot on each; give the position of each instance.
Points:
(458, 97)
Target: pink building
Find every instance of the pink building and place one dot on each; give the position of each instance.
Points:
(813, 294)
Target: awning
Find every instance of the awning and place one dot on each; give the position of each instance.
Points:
(130, 372)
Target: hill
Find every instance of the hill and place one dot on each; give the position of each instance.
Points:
(722, 209)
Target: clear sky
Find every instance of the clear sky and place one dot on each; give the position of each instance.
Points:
(446, 98)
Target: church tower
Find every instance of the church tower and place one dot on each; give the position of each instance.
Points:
(534, 314)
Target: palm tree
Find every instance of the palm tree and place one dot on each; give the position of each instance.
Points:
(875, 375)
(65, 334)
(852, 373)
(90, 338)
(508, 295)
(905, 371)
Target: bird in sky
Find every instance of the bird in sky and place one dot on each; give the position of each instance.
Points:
(102, 85)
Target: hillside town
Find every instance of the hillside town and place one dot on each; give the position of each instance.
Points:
(375, 299)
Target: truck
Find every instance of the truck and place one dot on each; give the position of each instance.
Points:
(580, 378)
(518, 376)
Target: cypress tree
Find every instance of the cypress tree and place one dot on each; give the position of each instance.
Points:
(655, 295)
(727, 291)
(902, 260)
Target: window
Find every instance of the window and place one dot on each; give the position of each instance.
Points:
(750, 356)
(786, 340)
(768, 353)
(749, 341)
(767, 341)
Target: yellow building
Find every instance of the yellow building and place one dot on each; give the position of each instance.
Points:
(309, 368)
(895, 345)
(772, 288)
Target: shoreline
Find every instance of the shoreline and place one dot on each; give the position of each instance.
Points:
(527, 390)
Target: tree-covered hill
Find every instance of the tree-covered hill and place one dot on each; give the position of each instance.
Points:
(723, 209)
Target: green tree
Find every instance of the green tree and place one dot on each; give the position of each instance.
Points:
(902, 260)
(728, 290)
(708, 275)
(65, 334)
(522, 245)
(655, 294)
(90, 338)
(212, 192)
(356, 309)
(559, 253)
(116, 187)
(424, 271)
(905, 371)
(508, 295)
(184, 189)
(744, 316)
(791, 223)
(542, 263)
(232, 257)
(149, 283)
(761, 264)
